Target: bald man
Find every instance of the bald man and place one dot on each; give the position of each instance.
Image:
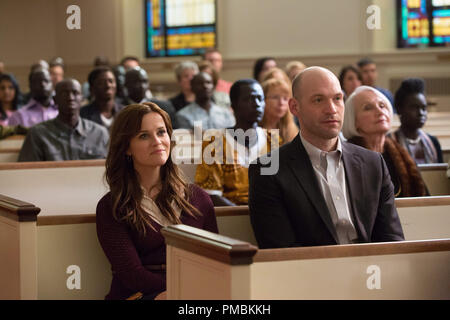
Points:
(326, 191)
(68, 136)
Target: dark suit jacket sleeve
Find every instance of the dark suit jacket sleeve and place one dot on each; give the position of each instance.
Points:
(269, 218)
(169, 108)
(387, 225)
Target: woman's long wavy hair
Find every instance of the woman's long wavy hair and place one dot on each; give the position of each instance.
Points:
(124, 181)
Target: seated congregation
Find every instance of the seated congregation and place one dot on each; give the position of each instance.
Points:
(297, 160)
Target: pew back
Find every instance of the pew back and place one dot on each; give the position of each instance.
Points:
(9, 155)
(60, 241)
(10, 148)
(63, 187)
(230, 269)
(421, 218)
(435, 178)
(77, 245)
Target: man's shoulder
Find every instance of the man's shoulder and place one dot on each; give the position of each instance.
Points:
(282, 153)
(92, 126)
(42, 131)
(354, 150)
(43, 127)
(215, 108)
(162, 103)
(87, 109)
(189, 109)
(25, 109)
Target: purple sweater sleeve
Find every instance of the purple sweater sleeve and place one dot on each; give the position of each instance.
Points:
(202, 201)
(115, 239)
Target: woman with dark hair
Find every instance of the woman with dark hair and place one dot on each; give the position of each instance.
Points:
(262, 65)
(350, 79)
(147, 193)
(9, 97)
(411, 106)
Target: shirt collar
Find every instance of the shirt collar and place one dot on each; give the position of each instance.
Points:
(314, 152)
(79, 128)
(34, 104)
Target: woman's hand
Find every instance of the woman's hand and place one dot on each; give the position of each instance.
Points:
(161, 296)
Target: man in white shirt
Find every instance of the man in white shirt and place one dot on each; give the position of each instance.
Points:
(326, 191)
(204, 110)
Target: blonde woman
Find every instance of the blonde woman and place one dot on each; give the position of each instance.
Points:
(276, 114)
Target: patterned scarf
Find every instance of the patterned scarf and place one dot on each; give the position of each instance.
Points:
(425, 143)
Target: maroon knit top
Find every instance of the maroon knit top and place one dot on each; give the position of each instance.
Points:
(128, 252)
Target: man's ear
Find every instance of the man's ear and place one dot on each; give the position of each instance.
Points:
(293, 106)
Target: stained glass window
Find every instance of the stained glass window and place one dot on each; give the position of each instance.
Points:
(180, 27)
(423, 23)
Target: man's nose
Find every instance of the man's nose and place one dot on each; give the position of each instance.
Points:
(331, 107)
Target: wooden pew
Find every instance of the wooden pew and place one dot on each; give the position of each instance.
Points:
(52, 185)
(421, 218)
(12, 142)
(435, 178)
(35, 254)
(424, 217)
(446, 154)
(9, 155)
(10, 148)
(45, 246)
(18, 250)
(203, 265)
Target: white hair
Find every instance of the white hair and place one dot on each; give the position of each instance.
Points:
(185, 65)
(349, 127)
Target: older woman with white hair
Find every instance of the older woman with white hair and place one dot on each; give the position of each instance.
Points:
(184, 72)
(367, 120)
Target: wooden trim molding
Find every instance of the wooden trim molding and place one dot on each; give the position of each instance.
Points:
(209, 244)
(65, 219)
(16, 137)
(352, 250)
(52, 164)
(237, 211)
(422, 201)
(231, 211)
(10, 150)
(18, 210)
(433, 166)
